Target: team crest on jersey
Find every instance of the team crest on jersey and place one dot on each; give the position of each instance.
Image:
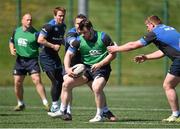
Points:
(22, 42)
(95, 52)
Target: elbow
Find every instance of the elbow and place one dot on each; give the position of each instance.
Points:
(40, 41)
(113, 56)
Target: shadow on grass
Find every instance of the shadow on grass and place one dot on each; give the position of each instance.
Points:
(16, 114)
(136, 120)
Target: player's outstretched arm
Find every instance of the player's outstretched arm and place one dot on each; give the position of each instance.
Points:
(140, 58)
(126, 47)
(152, 56)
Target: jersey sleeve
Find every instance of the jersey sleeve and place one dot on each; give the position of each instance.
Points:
(71, 37)
(47, 28)
(72, 49)
(36, 35)
(11, 40)
(106, 39)
(74, 46)
(148, 38)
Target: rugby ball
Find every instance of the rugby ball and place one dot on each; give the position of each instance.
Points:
(78, 69)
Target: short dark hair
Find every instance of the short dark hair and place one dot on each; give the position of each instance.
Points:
(85, 24)
(59, 9)
(81, 16)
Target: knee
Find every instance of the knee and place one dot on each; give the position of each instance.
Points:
(36, 81)
(97, 90)
(18, 83)
(166, 86)
(66, 86)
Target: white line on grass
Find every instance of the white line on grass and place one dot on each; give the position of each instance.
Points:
(93, 108)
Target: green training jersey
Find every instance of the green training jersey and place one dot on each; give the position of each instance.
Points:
(26, 42)
(92, 52)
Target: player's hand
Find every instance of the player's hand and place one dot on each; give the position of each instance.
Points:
(13, 51)
(56, 47)
(112, 49)
(140, 58)
(70, 72)
(95, 67)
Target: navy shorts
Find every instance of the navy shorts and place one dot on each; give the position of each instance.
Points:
(175, 68)
(102, 72)
(50, 63)
(26, 65)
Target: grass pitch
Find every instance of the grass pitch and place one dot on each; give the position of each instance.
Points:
(135, 106)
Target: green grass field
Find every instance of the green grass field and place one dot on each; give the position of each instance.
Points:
(102, 13)
(136, 107)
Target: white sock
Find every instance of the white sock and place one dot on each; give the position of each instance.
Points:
(20, 102)
(176, 113)
(69, 109)
(105, 109)
(55, 104)
(99, 111)
(63, 107)
(45, 102)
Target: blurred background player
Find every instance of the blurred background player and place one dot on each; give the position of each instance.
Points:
(23, 44)
(71, 36)
(51, 37)
(167, 39)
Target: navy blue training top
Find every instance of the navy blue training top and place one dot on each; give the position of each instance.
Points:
(54, 33)
(166, 38)
(70, 37)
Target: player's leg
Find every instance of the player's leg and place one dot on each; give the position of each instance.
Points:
(97, 86)
(169, 85)
(18, 88)
(71, 98)
(66, 96)
(36, 78)
(34, 71)
(56, 79)
(68, 84)
(106, 111)
(19, 73)
(101, 77)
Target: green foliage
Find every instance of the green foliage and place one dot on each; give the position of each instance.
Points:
(102, 14)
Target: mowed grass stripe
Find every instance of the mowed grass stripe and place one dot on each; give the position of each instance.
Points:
(93, 108)
(136, 107)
